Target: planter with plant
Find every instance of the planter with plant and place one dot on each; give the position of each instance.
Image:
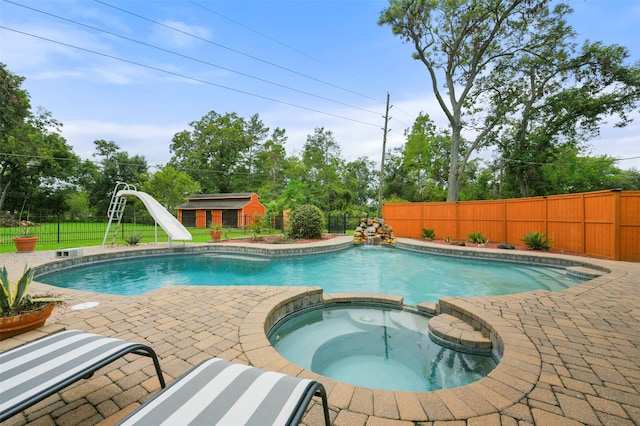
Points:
(24, 240)
(19, 311)
(216, 231)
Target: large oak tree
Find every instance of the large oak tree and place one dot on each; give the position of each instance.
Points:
(471, 49)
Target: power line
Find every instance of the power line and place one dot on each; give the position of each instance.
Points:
(287, 46)
(176, 74)
(191, 58)
(262, 34)
(238, 51)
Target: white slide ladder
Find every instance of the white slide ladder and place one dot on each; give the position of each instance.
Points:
(174, 229)
(116, 211)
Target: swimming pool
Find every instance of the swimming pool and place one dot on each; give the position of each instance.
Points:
(417, 277)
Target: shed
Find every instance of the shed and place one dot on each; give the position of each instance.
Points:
(231, 210)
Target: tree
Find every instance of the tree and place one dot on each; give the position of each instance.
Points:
(271, 165)
(360, 179)
(571, 173)
(171, 187)
(555, 98)
(426, 158)
(115, 166)
(396, 183)
(472, 50)
(219, 151)
(256, 132)
(321, 159)
(459, 41)
(36, 161)
(15, 109)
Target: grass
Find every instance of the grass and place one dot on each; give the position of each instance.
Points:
(54, 236)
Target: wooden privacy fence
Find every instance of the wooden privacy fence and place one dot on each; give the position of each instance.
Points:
(603, 223)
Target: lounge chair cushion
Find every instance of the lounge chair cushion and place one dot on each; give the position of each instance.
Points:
(219, 392)
(32, 372)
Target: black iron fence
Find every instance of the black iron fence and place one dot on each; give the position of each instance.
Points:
(341, 223)
(91, 230)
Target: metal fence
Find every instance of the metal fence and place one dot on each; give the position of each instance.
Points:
(341, 223)
(60, 229)
(89, 230)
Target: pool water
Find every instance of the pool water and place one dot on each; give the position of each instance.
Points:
(418, 277)
(378, 348)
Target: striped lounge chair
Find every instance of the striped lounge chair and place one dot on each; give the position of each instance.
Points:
(32, 372)
(219, 392)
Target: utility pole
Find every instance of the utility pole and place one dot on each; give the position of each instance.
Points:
(384, 148)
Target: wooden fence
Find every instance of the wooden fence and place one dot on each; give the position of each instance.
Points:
(603, 223)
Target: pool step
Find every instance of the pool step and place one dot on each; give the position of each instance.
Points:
(453, 333)
(584, 273)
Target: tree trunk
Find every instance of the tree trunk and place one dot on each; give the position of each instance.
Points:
(453, 189)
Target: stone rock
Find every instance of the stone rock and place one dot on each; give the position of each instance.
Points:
(373, 231)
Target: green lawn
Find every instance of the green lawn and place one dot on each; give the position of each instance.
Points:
(54, 236)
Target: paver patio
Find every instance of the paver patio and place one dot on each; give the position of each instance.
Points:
(570, 358)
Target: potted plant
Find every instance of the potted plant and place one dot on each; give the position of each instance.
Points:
(216, 231)
(19, 311)
(25, 242)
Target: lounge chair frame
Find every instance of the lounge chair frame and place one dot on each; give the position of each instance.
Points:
(36, 370)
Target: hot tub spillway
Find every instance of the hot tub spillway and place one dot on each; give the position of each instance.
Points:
(373, 231)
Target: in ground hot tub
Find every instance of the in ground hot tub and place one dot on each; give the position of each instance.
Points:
(376, 347)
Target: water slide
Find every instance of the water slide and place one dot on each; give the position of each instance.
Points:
(166, 220)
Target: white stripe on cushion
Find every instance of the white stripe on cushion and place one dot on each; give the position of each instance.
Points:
(247, 403)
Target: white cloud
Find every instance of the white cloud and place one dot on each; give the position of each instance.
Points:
(182, 38)
(150, 141)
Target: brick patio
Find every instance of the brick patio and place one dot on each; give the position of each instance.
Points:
(569, 358)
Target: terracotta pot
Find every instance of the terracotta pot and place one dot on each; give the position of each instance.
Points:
(25, 244)
(216, 234)
(18, 324)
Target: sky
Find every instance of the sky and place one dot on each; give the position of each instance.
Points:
(138, 72)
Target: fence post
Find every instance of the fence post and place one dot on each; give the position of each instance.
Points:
(616, 223)
(58, 236)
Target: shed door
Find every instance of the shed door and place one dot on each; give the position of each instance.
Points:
(189, 218)
(230, 218)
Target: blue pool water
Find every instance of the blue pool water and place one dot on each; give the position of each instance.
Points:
(376, 348)
(418, 277)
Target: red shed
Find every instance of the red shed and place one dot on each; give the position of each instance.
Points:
(233, 210)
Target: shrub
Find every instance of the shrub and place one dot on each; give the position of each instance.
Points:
(537, 241)
(257, 223)
(134, 238)
(306, 222)
(477, 238)
(429, 234)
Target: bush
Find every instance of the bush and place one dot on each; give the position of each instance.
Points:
(134, 238)
(537, 241)
(306, 222)
(429, 234)
(478, 238)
